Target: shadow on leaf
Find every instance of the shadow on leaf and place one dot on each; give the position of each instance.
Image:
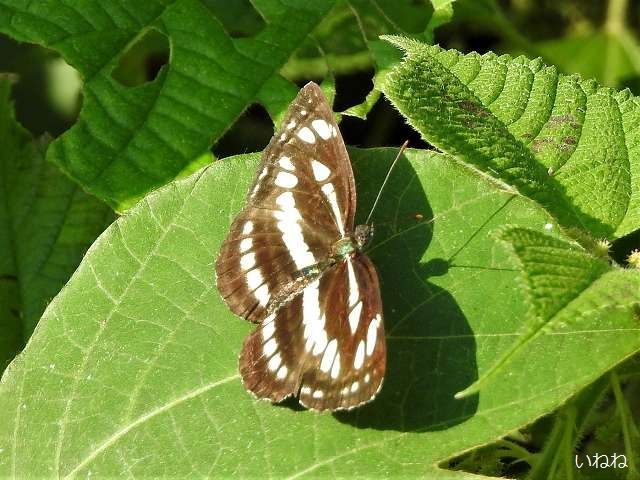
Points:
(431, 351)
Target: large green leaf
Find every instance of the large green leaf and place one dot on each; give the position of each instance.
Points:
(569, 144)
(129, 140)
(133, 369)
(46, 225)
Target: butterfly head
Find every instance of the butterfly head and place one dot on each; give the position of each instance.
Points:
(363, 235)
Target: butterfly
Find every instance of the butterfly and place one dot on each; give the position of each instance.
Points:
(292, 263)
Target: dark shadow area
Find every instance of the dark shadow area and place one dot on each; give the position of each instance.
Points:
(239, 18)
(622, 247)
(291, 403)
(431, 351)
(142, 61)
(384, 126)
(352, 89)
(253, 130)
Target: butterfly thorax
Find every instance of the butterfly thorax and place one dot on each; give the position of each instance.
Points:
(352, 243)
(343, 247)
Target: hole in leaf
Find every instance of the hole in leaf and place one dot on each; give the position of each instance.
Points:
(352, 90)
(143, 60)
(239, 18)
(32, 84)
(250, 133)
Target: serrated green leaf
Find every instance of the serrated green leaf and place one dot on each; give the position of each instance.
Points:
(129, 140)
(568, 144)
(555, 271)
(137, 357)
(46, 224)
(565, 287)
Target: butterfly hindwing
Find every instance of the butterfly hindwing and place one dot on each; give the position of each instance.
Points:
(327, 345)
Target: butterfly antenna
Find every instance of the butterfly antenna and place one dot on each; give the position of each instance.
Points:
(384, 182)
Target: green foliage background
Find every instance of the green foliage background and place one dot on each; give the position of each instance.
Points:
(504, 239)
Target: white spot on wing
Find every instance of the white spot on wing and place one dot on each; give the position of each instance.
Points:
(367, 378)
(372, 334)
(282, 373)
(305, 390)
(354, 317)
(254, 279)
(312, 320)
(248, 260)
(286, 180)
(303, 112)
(322, 127)
(354, 291)
(270, 347)
(292, 231)
(335, 369)
(306, 135)
(262, 294)
(268, 327)
(320, 171)
(298, 248)
(274, 362)
(285, 162)
(330, 192)
(318, 394)
(329, 355)
(354, 387)
(358, 360)
(286, 201)
(320, 341)
(291, 124)
(255, 282)
(248, 228)
(246, 244)
(288, 216)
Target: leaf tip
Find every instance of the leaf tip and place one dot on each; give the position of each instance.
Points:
(408, 45)
(467, 392)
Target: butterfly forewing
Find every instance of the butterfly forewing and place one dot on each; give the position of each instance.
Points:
(321, 335)
(302, 200)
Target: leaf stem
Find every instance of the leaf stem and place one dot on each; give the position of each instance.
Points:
(616, 13)
(629, 429)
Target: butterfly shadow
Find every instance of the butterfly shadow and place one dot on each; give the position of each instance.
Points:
(431, 350)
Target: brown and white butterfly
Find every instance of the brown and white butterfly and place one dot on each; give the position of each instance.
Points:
(292, 263)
